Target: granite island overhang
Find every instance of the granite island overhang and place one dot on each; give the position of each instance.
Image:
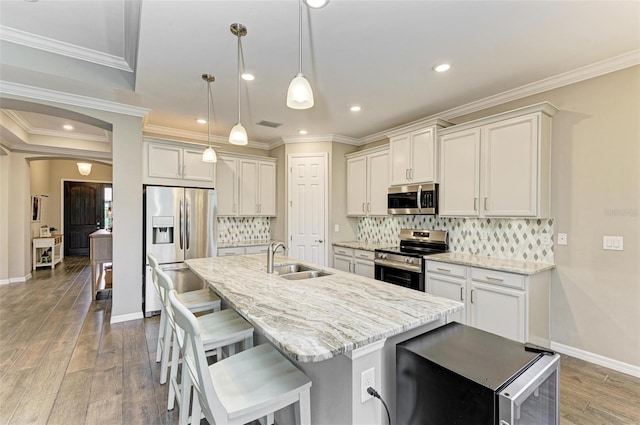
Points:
(333, 327)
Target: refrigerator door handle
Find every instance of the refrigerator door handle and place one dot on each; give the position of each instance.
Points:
(181, 222)
(188, 222)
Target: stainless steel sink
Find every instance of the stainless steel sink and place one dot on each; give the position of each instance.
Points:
(308, 274)
(290, 268)
(297, 271)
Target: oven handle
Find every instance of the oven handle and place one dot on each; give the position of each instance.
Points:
(401, 266)
(420, 199)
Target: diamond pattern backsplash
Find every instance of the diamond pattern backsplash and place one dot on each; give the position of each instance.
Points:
(515, 239)
(243, 229)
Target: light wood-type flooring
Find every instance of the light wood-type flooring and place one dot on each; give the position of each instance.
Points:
(62, 362)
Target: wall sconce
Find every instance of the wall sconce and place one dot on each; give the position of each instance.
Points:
(84, 168)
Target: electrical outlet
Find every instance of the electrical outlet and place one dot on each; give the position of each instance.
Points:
(336, 228)
(367, 379)
(545, 239)
(562, 238)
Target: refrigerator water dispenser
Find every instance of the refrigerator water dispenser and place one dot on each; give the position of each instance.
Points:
(162, 229)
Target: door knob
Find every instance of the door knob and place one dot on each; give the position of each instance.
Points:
(319, 240)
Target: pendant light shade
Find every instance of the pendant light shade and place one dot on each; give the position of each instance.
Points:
(238, 135)
(300, 95)
(209, 155)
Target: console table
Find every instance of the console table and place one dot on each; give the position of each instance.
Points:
(100, 252)
(48, 250)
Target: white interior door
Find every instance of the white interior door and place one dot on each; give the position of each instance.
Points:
(308, 207)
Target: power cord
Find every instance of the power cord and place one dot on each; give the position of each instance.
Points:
(375, 394)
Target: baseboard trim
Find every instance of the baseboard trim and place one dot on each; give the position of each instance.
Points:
(617, 365)
(4, 281)
(15, 279)
(126, 317)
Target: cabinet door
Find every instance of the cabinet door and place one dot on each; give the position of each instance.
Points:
(364, 268)
(165, 162)
(423, 157)
(194, 168)
(267, 189)
(400, 159)
(497, 310)
(227, 186)
(460, 173)
(341, 262)
(510, 167)
(256, 249)
(450, 288)
(378, 183)
(248, 183)
(357, 186)
(226, 252)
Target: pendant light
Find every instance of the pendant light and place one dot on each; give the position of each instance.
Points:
(238, 135)
(209, 155)
(299, 95)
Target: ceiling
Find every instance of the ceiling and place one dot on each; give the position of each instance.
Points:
(376, 54)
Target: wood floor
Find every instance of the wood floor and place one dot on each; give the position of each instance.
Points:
(62, 362)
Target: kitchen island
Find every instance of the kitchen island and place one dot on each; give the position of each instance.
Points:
(333, 328)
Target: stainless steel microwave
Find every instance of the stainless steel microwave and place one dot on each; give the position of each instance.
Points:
(414, 199)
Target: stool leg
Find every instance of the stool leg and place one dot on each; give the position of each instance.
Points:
(161, 336)
(303, 408)
(175, 355)
(185, 395)
(166, 345)
(248, 342)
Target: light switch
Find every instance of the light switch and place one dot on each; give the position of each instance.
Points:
(562, 238)
(613, 243)
(336, 228)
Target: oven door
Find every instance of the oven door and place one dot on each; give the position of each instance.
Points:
(407, 277)
(534, 396)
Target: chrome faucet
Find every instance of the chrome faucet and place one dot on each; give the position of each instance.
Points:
(273, 247)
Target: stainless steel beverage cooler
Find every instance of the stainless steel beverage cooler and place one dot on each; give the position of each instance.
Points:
(459, 375)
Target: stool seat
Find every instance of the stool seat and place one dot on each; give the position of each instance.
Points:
(223, 328)
(200, 300)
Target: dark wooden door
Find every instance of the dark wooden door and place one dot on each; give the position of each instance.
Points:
(83, 215)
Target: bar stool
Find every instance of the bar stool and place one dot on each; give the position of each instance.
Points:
(219, 329)
(241, 388)
(196, 301)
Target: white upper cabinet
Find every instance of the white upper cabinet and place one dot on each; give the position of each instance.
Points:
(176, 164)
(498, 166)
(246, 186)
(367, 182)
(414, 155)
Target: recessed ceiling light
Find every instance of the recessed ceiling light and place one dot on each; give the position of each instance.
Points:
(442, 67)
(201, 121)
(355, 108)
(248, 77)
(303, 132)
(67, 127)
(316, 4)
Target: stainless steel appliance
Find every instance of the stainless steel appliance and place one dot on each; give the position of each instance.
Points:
(179, 223)
(414, 199)
(404, 265)
(457, 374)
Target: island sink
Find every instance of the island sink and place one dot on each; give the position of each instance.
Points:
(298, 271)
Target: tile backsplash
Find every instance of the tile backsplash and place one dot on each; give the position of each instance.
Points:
(516, 239)
(243, 229)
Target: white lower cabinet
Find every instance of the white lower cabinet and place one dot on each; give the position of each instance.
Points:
(511, 305)
(358, 261)
(242, 250)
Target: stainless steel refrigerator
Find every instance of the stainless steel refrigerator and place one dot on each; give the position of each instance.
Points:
(179, 224)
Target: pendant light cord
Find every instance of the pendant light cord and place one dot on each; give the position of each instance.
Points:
(300, 36)
(239, 73)
(209, 112)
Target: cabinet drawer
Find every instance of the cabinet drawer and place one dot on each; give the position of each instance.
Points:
(447, 269)
(343, 251)
(257, 249)
(365, 255)
(222, 252)
(498, 278)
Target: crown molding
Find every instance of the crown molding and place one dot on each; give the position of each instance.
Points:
(24, 124)
(58, 47)
(417, 125)
(55, 150)
(179, 135)
(315, 138)
(594, 70)
(8, 88)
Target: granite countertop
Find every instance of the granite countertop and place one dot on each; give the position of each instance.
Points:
(244, 243)
(100, 233)
(513, 266)
(366, 246)
(315, 319)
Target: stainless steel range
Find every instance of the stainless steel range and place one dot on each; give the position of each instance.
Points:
(404, 265)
